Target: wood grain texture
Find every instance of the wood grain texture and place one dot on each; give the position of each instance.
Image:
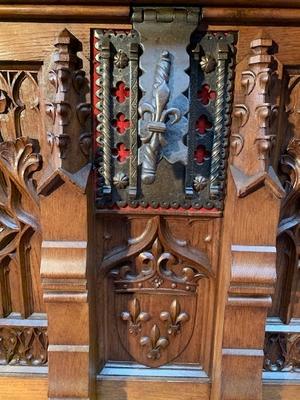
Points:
(247, 16)
(224, 3)
(63, 13)
(31, 387)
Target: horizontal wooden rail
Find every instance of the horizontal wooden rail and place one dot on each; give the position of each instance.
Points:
(247, 16)
(44, 13)
(222, 3)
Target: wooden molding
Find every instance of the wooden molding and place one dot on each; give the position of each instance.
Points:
(64, 13)
(248, 16)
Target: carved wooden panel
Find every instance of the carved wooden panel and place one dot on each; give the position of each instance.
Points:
(23, 345)
(20, 232)
(286, 297)
(20, 101)
(159, 284)
(19, 222)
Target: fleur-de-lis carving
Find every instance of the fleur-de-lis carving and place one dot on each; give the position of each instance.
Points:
(135, 317)
(155, 343)
(153, 136)
(174, 317)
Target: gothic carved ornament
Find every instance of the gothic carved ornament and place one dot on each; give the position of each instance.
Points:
(68, 123)
(282, 352)
(23, 346)
(255, 107)
(163, 113)
(19, 213)
(155, 280)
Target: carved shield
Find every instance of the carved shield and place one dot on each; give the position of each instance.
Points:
(155, 284)
(155, 328)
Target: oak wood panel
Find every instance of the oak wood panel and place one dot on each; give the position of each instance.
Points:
(152, 390)
(32, 387)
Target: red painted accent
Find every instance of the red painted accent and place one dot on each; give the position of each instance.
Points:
(203, 124)
(121, 92)
(120, 152)
(159, 210)
(121, 123)
(205, 94)
(201, 154)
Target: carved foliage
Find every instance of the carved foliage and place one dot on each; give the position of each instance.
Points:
(23, 346)
(19, 214)
(282, 352)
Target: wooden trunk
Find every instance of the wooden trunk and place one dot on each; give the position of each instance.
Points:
(149, 189)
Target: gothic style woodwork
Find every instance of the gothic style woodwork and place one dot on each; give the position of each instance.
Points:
(23, 346)
(68, 118)
(282, 352)
(156, 283)
(161, 236)
(63, 189)
(19, 101)
(19, 222)
(253, 181)
(255, 108)
(282, 347)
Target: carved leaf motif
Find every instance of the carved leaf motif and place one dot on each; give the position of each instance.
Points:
(23, 346)
(20, 161)
(237, 144)
(155, 261)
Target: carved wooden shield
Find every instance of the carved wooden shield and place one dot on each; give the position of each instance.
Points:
(155, 284)
(155, 329)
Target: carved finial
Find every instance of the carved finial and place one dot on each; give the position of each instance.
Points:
(67, 47)
(68, 132)
(253, 139)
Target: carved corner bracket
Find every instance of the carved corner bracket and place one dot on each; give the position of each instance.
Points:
(251, 148)
(68, 124)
